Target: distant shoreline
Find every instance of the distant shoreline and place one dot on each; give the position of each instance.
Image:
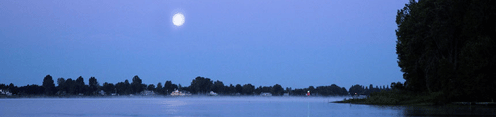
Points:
(153, 96)
(385, 98)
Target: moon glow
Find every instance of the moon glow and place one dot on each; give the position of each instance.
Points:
(178, 19)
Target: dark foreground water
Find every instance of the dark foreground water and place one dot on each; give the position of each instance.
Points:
(216, 107)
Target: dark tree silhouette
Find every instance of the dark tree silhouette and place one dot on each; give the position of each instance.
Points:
(169, 87)
(61, 86)
(136, 85)
(127, 87)
(80, 86)
(49, 85)
(121, 88)
(446, 47)
(248, 89)
(357, 90)
(231, 89)
(201, 85)
(218, 87)
(108, 88)
(277, 90)
(159, 89)
(239, 89)
(151, 87)
(93, 85)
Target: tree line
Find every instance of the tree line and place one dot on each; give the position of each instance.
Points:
(199, 86)
(446, 48)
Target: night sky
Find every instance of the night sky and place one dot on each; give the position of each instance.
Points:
(295, 43)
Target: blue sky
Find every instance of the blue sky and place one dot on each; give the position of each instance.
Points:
(294, 43)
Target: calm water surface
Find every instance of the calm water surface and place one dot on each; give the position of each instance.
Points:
(214, 107)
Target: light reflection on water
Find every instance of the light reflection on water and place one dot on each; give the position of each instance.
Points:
(173, 106)
(215, 107)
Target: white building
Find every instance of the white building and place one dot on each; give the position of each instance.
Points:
(5, 92)
(265, 94)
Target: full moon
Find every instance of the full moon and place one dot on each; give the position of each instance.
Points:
(178, 19)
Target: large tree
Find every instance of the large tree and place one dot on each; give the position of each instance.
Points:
(356, 90)
(108, 88)
(136, 85)
(93, 85)
(159, 89)
(248, 89)
(127, 87)
(150, 87)
(218, 87)
(239, 88)
(62, 87)
(80, 86)
(169, 87)
(448, 47)
(49, 85)
(201, 85)
(121, 88)
(277, 90)
(70, 86)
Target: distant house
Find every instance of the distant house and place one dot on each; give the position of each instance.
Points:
(179, 93)
(265, 94)
(212, 93)
(101, 92)
(5, 92)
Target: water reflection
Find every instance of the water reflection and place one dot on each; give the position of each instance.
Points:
(173, 107)
(448, 111)
(223, 106)
(441, 110)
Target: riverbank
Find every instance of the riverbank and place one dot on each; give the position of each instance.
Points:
(393, 98)
(410, 99)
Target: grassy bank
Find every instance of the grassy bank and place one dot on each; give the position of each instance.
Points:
(393, 98)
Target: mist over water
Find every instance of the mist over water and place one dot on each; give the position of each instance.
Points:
(196, 106)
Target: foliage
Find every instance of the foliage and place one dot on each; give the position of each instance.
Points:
(248, 89)
(48, 85)
(169, 87)
(108, 88)
(31, 90)
(239, 88)
(136, 85)
(218, 87)
(199, 85)
(159, 89)
(447, 47)
(93, 86)
(277, 90)
(150, 87)
(70, 86)
(61, 86)
(80, 87)
(263, 89)
(331, 90)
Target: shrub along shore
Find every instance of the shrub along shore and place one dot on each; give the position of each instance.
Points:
(404, 98)
(392, 98)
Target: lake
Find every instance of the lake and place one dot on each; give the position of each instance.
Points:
(219, 106)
